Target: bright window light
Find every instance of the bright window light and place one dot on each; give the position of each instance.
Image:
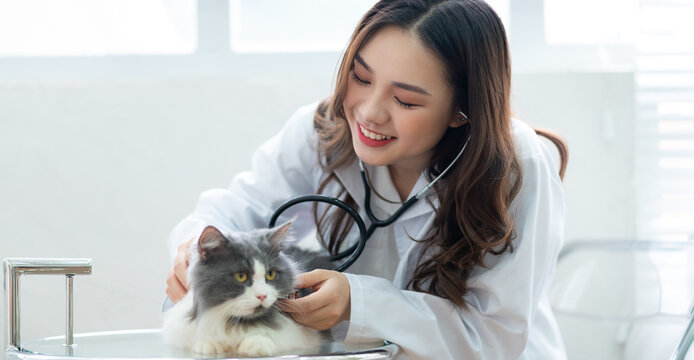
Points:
(591, 21)
(666, 28)
(293, 26)
(676, 126)
(303, 25)
(670, 80)
(677, 163)
(97, 27)
(676, 145)
(503, 9)
(676, 108)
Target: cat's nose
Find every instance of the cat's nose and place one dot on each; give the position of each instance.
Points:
(261, 297)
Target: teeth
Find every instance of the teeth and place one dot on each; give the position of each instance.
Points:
(373, 136)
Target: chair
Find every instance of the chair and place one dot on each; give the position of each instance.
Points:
(625, 299)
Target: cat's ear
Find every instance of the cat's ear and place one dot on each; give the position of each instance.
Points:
(277, 234)
(210, 241)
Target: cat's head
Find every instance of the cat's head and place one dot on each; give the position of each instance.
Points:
(241, 274)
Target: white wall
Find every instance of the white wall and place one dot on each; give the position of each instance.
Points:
(595, 114)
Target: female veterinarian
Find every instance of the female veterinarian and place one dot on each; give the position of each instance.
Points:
(423, 86)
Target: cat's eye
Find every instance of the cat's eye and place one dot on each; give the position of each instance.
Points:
(271, 275)
(241, 276)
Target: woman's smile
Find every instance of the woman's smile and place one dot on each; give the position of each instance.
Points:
(372, 134)
(373, 139)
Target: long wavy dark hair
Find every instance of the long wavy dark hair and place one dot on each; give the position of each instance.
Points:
(472, 217)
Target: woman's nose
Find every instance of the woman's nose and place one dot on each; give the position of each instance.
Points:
(374, 111)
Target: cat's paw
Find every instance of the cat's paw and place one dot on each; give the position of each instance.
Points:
(257, 345)
(211, 347)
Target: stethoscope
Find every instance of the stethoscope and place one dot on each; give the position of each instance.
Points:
(364, 233)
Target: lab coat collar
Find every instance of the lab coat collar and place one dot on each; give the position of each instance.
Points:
(350, 177)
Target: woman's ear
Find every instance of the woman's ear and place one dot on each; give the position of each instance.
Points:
(459, 119)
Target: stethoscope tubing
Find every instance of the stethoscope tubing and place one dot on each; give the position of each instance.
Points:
(364, 233)
(355, 250)
(375, 222)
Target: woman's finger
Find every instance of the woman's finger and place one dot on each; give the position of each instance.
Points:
(306, 304)
(300, 312)
(180, 271)
(312, 279)
(174, 289)
(181, 263)
(324, 308)
(321, 319)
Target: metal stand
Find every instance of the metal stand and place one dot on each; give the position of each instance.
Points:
(14, 268)
(69, 325)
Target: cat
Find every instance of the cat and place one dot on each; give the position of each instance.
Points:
(235, 280)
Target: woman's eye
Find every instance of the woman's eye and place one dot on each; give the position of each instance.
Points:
(241, 276)
(358, 79)
(271, 275)
(405, 105)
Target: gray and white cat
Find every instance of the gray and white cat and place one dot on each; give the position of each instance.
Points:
(235, 281)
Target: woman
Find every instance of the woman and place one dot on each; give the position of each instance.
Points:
(461, 275)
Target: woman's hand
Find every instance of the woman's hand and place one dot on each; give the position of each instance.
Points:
(177, 281)
(328, 305)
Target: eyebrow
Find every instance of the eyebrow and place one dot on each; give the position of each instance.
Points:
(362, 62)
(409, 87)
(399, 84)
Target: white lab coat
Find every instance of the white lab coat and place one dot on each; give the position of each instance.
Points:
(508, 316)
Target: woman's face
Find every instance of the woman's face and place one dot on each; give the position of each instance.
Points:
(398, 102)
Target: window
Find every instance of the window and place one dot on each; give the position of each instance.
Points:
(97, 27)
(303, 25)
(293, 26)
(665, 121)
(51, 28)
(590, 21)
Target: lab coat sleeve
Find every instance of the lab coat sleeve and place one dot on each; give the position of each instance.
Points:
(285, 166)
(502, 300)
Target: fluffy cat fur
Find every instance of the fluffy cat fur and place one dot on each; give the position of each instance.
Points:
(226, 311)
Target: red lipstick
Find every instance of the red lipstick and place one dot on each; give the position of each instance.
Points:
(371, 142)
